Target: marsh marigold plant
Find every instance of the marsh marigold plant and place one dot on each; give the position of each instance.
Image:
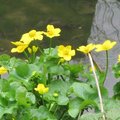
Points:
(46, 86)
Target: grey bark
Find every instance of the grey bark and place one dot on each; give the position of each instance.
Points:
(106, 25)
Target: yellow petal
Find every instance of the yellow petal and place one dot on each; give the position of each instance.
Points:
(72, 53)
(39, 36)
(50, 27)
(32, 33)
(14, 50)
(67, 57)
(86, 49)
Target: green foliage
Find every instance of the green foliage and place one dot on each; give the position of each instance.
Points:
(116, 69)
(74, 107)
(112, 114)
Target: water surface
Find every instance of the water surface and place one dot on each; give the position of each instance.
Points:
(74, 17)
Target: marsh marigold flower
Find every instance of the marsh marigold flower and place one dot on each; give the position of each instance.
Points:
(20, 47)
(52, 32)
(31, 35)
(41, 89)
(107, 45)
(33, 49)
(65, 52)
(86, 49)
(3, 70)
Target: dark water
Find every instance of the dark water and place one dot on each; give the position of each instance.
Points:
(74, 17)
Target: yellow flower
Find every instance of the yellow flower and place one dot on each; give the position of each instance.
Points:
(118, 58)
(41, 89)
(52, 32)
(86, 49)
(34, 49)
(3, 70)
(20, 47)
(65, 52)
(32, 35)
(107, 45)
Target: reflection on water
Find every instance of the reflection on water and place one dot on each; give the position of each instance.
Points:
(74, 17)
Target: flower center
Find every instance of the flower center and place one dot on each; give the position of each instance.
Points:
(66, 52)
(50, 32)
(32, 33)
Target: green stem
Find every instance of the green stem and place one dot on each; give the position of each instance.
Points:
(42, 99)
(106, 71)
(80, 114)
(26, 55)
(61, 117)
(40, 50)
(49, 78)
(50, 46)
(33, 57)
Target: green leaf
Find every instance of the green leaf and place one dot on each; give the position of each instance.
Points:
(82, 90)
(7, 110)
(41, 113)
(87, 103)
(30, 97)
(21, 95)
(62, 100)
(116, 90)
(22, 69)
(113, 114)
(74, 107)
(91, 116)
(111, 104)
(59, 87)
(56, 70)
(116, 69)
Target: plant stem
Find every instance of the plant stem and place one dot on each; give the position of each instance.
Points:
(26, 55)
(106, 71)
(50, 45)
(97, 85)
(62, 115)
(49, 78)
(42, 99)
(40, 50)
(80, 114)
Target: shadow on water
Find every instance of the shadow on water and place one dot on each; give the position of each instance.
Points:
(74, 17)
